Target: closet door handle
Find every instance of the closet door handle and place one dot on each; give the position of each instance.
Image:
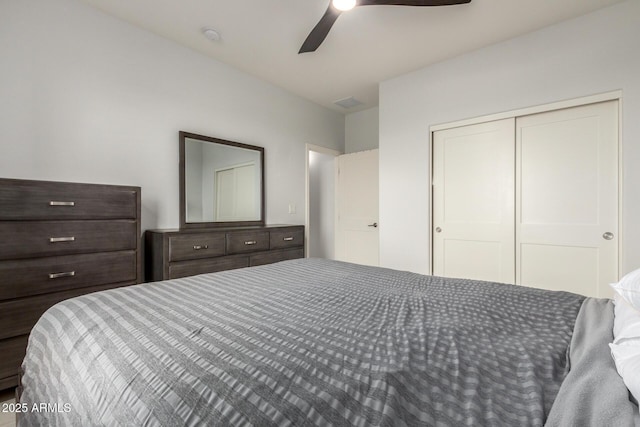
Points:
(608, 236)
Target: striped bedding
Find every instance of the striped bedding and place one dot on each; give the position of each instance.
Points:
(302, 342)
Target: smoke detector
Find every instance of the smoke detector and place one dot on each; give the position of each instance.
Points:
(211, 34)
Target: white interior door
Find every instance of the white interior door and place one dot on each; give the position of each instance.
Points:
(473, 202)
(567, 199)
(357, 208)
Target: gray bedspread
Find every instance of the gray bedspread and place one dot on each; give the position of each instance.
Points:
(593, 394)
(303, 342)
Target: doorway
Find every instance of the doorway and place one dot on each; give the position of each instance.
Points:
(320, 201)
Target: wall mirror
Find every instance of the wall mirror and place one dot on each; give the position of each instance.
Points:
(221, 182)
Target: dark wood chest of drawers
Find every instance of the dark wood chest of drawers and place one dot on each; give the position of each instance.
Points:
(170, 254)
(57, 241)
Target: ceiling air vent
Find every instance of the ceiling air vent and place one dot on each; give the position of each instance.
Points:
(349, 102)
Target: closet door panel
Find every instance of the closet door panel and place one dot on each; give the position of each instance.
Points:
(473, 201)
(567, 199)
(553, 267)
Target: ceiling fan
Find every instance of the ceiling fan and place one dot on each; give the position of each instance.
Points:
(336, 7)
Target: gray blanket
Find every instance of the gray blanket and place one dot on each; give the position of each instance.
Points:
(593, 394)
(303, 342)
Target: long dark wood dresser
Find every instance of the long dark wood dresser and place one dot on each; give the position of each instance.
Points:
(57, 241)
(170, 254)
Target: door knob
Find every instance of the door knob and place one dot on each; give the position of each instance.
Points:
(374, 225)
(608, 235)
(438, 229)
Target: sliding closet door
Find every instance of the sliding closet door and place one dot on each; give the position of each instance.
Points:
(473, 201)
(567, 199)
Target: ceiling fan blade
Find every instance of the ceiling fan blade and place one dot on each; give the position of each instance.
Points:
(320, 31)
(411, 2)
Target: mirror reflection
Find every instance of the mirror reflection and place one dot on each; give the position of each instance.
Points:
(222, 181)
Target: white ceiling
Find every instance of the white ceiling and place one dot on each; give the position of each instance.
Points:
(365, 46)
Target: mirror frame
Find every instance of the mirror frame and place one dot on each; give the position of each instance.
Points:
(213, 224)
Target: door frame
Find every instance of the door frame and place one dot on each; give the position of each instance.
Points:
(307, 199)
(575, 102)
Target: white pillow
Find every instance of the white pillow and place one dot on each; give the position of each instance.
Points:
(629, 288)
(626, 322)
(627, 358)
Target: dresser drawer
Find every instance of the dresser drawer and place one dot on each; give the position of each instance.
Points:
(286, 238)
(34, 200)
(169, 253)
(247, 241)
(17, 317)
(24, 239)
(42, 275)
(191, 268)
(196, 246)
(12, 351)
(275, 256)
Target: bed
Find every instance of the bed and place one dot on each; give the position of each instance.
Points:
(319, 342)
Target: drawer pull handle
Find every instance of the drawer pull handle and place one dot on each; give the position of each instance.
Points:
(250, 242)
(199, 247)
(288, 239)
(59, 275)
(54, 203)
(61, 239)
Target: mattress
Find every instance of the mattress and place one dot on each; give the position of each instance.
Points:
(301, 343)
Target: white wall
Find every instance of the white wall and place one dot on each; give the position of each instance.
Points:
(361, 131)
(595, 53)
(89, 98)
